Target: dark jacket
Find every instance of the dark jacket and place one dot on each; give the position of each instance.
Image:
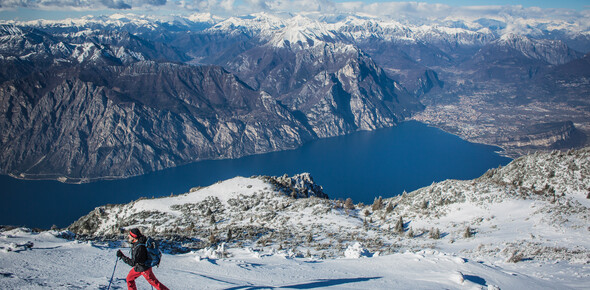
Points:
(139, 255)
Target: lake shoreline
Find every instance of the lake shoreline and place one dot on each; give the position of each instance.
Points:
(362, 166)
(87, 180)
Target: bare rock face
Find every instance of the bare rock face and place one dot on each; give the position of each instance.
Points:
(131, 120)
(334, 88)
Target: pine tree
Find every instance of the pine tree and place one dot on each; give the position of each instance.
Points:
(377, 204)
(399, 226)
(389, 207)
(212, 238)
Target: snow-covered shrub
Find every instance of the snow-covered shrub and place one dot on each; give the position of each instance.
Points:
(410, 233)
(467, 233)
(210, 253)
(348, 204)
(515, 257)
(435, 233)
(356, 251)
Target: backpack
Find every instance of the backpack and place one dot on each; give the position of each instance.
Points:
(153, 251)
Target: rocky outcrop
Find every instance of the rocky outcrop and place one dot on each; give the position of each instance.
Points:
(298, 186)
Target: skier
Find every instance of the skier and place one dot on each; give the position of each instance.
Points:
(138, 257)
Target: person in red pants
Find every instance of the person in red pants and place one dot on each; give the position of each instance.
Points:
(138, 257)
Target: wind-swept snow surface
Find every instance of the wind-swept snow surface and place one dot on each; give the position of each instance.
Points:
(56, 263)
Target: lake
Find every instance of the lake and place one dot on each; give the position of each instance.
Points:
(361, 166)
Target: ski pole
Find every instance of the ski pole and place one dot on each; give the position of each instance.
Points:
(117, 261)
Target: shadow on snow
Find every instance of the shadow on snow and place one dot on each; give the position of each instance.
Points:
(311, 285)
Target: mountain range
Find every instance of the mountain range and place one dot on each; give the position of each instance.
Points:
(111, 97)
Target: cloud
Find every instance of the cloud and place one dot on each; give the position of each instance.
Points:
(80, 4)
(115, 4)
(293, 6)
(411, 12)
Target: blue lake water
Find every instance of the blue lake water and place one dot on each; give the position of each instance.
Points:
(362, 166)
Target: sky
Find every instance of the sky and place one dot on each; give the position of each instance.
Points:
(61, 9)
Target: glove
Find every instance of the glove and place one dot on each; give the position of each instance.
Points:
(120, 254)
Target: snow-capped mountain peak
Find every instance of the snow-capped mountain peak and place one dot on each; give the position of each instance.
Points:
(552, 51)
(302, 33)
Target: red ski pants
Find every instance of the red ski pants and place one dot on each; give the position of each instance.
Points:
(148, 275)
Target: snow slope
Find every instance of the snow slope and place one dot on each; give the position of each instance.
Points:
(523, 226)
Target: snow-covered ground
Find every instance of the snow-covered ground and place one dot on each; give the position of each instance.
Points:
(524, 226)
(56, 263)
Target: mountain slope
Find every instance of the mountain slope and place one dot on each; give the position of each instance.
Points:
(526, 222)
(336, 88)
(536, 208)
(127, 120)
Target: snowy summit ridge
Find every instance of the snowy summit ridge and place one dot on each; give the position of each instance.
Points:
(542, 200)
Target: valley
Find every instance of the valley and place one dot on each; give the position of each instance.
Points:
(518, 129)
